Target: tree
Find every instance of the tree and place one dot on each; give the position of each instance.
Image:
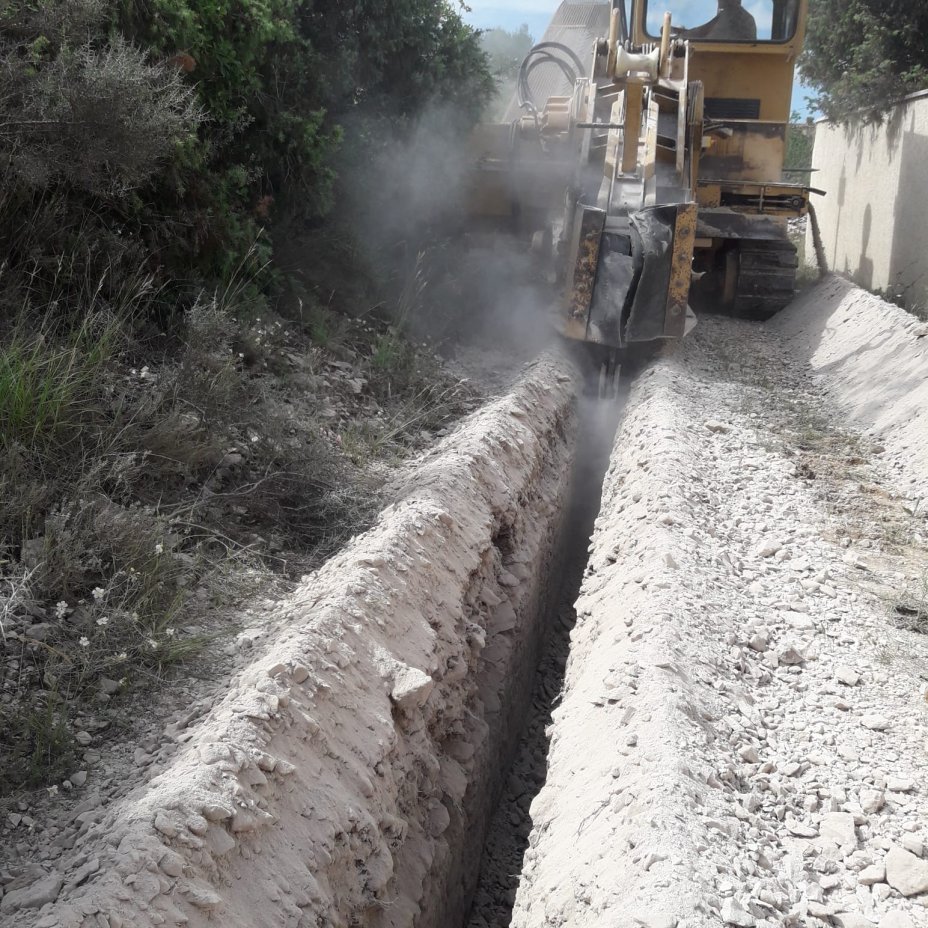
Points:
(800, 142)
(286, 85)
(865, 55)
(505, 50)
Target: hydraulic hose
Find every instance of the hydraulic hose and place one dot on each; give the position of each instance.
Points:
(544, 53)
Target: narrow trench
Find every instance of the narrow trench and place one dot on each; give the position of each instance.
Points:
(508, 834)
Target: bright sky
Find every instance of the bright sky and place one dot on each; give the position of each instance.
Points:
(511, 14)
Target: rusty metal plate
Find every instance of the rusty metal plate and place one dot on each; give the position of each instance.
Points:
(589, 225)
(681, 269)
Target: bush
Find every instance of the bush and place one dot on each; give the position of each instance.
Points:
(865, 55)
(81, 109)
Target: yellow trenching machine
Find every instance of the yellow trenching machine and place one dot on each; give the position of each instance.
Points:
(645, 159)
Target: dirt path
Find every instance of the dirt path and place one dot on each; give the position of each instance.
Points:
(743, 733)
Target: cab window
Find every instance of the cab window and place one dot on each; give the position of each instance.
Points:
(725, 20)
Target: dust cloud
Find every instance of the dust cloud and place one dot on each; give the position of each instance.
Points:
(476, 288)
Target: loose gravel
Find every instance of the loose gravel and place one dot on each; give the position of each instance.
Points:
(742, 737)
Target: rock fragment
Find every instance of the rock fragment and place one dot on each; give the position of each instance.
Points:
(876, 873)
(34, 896)
(838, 827)
(734, 914)
(847, 676)
(411, 688)
(896, 919)
(906, 873)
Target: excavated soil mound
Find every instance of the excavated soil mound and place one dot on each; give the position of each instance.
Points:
(870, 360)
(348, 775)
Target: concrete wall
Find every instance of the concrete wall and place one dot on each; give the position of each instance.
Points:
(874, 219)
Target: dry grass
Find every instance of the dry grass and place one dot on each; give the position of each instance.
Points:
(146, 488)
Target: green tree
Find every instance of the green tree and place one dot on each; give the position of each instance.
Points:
(865, 55)
(800, 142)
(506, 49)
(177, 137)
(279, 79)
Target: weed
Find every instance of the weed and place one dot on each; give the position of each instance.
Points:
(910, 610)
(48, 386)
(38, 744)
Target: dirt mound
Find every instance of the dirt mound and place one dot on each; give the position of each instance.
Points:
(870, 358)
(742, 735)
(346, 777)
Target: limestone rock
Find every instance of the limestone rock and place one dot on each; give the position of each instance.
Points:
(914, 845)
(734, 914)
(896, 919)
(871, 800)
(35, 895)
(767, 549)
(411, 688)
(838, 827)
(791, 657)
(851, 920)
(847, 676)
(899, 784)
(873, 874)
(906, 873)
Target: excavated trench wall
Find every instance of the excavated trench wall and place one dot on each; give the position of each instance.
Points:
(347, 777)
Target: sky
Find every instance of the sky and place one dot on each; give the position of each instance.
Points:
(511, 14)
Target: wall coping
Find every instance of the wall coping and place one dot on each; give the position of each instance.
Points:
(916, 95)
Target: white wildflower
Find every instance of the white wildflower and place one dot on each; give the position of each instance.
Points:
(103, 621)
(61, 609)
(98, 593)
(84, 641)
(153, 644)
(159, 548)
(170, 632)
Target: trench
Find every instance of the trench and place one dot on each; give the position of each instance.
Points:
(507, 837)
(376, 764)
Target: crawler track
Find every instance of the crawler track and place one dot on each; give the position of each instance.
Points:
(766, 281)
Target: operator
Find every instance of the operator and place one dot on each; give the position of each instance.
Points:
(732, 22)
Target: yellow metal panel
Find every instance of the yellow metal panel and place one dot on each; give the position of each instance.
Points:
(734, 73)
(589, 232)
(755, 152)
(633, 100)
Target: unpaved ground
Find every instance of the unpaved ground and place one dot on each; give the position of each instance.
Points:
(741, 733)
(743, 736)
